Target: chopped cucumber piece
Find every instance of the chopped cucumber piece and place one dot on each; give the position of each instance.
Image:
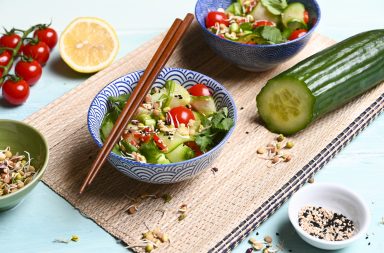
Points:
(293, 16)
(150, 122)
(150, 151)
(162, 159)
(180, 153)
(204, 104)
(262, 13)
(143, 117)
(177, 95)
(235, 9)
(171, 142)
(286, 105)
(128, 147)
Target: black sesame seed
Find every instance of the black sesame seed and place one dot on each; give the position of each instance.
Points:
(241, 108)
(247, 132)
(277, 234)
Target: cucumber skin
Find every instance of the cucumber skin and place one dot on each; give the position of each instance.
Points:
(341, 72)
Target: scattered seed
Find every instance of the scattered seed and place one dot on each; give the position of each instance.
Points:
(265, 250)
(182, 216)
(257, 246)
(275, 159)
(261, 151)
(241, 108)
(246, 132)
(166, 197)
(280, 138)
(268, 239)
(253, 241)
(132, 209)
(369, 243)
(250, 250)
(214, 170)
(277, 234)
(289, 145)
(287, 158)
(74, 238)
(149, 247)
(311, 180)
(278, 146)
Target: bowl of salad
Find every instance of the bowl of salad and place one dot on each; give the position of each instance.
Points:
(179, 129)
(257, 35)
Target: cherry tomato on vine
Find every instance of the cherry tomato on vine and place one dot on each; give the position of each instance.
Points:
(46, 35)
(214, 17)
(180, 115)
(297, 33)
(30, 71)
(5, 57)
(38, 51)
(263, 23)
(306, 17)
(199, 89)
(10, 40)
(15, 91)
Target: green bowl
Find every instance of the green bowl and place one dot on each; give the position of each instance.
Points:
(21, 137)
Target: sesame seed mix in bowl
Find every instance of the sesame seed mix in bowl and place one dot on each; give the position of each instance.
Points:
(325, 224)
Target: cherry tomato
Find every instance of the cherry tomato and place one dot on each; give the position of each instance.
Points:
(159, 142)
(5, 57)
(263, 23)
(199, 89)
(194, 147)
(214, 17)
(38, 51)
(297, 33)
(306, 17)
(30, 71)
(180, 115)
(15, 92)
(46, 35)
(1, 72)
(10, 40)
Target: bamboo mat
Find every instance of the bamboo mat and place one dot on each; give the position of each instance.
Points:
(224, 206)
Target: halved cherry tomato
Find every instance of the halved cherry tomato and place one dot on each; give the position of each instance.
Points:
(199, 89)
(263, 23)
(306, 17)
(10, 40)
(15, 92)
(214, 17)
(38, 51)
(159, 142)
(30, 71)
(297, 33)
(46, 35)
(194, 147)
(180, 115)
(5, 57)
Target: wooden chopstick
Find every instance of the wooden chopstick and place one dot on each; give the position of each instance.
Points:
(162, 55)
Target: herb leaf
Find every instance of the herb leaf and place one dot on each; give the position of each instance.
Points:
(271, 34)
(246, 26)
(204, 140)
(275, 7)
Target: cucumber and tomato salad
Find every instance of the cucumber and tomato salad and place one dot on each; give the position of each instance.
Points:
(259, 21)
(173, 124)
(323, 82)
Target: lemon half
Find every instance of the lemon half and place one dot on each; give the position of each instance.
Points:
(88, 44)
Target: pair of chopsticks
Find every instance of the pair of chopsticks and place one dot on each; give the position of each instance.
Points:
(162, 55)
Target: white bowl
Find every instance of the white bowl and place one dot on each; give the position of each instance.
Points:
(335, 198)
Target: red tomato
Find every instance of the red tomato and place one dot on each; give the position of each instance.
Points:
(1, 72)
(15, 92)
(10, 40)
(199, 89)
(5, 57)
(46, 35)
(306, 17)
(180, 115)
(30, 71)
(297, 33)
(38, 51)
(194, 147)
(263, 23)
(214, 17)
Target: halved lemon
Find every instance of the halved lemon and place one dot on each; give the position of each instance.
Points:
(88, 44)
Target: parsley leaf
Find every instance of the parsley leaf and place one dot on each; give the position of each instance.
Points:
(246, 26)
(271, 34)
(204, 140)
(275, 7)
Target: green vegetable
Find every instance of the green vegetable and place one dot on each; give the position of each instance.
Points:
(276, 7)
(271, 34)
(246, 26)
(323, 82)
(262, 13)
(150, 151)
(181, 153)
(235, 9)
(215, 129)
(293, 16)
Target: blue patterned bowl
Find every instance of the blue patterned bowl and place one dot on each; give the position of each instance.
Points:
(254, 57)
(159, 173)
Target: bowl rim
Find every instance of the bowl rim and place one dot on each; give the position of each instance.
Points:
(309, 33)
(207, 154)
(43, 167)
(347, 192)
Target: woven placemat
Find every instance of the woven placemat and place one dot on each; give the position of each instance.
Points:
(223, 207)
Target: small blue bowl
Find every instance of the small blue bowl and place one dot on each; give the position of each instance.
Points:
(254, 57)
(159, 173)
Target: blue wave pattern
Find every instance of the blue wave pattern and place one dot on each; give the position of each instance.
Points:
(159, 173)
(253, 57)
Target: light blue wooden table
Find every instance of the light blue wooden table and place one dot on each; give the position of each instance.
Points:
(44, 216)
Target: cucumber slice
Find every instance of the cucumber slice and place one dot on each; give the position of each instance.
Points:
(293, 16)
(162, 159)
(180, 153)
(235, 9)
(204, 104)
(262, 13)
(171, 142)
(286, 105)
(150, 122)
(177, 95)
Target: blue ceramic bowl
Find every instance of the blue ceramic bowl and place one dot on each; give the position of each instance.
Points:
(159, 173)
(254, 57)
